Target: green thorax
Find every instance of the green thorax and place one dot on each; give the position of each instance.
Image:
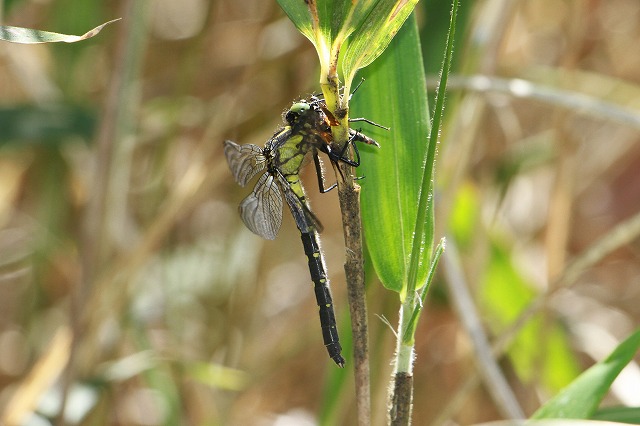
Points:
(290, 148)
(289, 151)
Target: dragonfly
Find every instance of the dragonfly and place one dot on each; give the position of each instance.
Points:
(306, 133)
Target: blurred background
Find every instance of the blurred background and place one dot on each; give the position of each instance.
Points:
(122, 253)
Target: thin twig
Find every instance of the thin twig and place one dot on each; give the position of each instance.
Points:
(493, 378)
(569, 99)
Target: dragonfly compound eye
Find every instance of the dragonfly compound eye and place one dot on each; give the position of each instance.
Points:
(295, 111)
(299, 107)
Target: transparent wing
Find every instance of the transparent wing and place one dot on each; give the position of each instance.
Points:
(245, 161)
(261, 211)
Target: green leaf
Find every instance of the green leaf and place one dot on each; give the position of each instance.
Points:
(541, 350)
(374, 33)
(618, 414)
(370, 24)
(412, 324)
(31, 36)
(394, 94)
(581, 398)
(326, 23)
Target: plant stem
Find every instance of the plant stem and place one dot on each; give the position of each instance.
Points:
(402, 402)
(404, 359)
(402, 397)
(349, 196)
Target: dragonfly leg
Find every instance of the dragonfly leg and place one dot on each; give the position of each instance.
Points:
(366, 120)
(342, 156)
(320, 175)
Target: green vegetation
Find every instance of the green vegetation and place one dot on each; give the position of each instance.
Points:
(131, 293)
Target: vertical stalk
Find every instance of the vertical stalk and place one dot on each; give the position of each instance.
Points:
(349, 197)
(402, 396)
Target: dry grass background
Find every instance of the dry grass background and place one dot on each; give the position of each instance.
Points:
(118, 220)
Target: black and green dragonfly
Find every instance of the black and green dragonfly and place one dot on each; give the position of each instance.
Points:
(306, 133)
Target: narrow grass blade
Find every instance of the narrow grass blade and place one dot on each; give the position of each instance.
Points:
(581, 398)
(31, 36)
(629, 415)
(412, 324)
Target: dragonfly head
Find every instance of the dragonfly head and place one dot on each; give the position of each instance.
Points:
(296, 110)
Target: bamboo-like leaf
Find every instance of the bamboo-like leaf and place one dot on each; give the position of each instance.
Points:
(394, 94)
(374, 33)
(330, 19)
(581, 398)
(370, 25)
(31, 36)
(319, 21)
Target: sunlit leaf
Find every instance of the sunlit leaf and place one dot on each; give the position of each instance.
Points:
(31, 36)
(374, 34)
(394, 94)
(370, 26)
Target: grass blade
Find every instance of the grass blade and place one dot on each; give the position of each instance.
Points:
(394, 94)
(373, 34)
(31, 36)
(581, 398)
